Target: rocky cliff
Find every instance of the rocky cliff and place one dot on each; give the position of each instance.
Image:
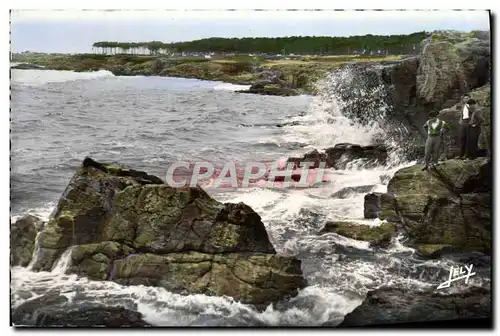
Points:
(129, 227)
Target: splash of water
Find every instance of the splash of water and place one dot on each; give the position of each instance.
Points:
(63, 263)
(42, 77)
(36, 251)
(353, 105)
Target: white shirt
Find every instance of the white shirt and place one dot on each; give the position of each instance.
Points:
(434, 125)
(465, 112)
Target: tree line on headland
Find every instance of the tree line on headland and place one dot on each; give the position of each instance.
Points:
(320, 45)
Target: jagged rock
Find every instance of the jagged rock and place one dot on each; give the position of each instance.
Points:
(482, 95)
(475, 59)
(371, 206)
(313, 157)
(24, 313)
(377, 235)
(451, 64)
(27, 66)
(464, 223)
(250, 277)
(131, 228)
(348, 191)
(292, 123)
(402, 75)
(482, 181)
(22, 239)
(449, 205)
(440, 74)
(54, 310)
(398, 305)
(339, 156)
(342, 154)
(96, 260)
(307, 217)
(449, 178)
(270, 89)
(433, 251)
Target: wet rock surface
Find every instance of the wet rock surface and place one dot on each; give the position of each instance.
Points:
(129, 227)
(22, 239)
(341, 155)
(396, 305)
(378, 236)
(446, 206)
(55, 310)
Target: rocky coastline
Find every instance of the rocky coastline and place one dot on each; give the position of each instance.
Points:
(129, 227)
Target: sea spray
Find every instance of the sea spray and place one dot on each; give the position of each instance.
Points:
(61, 266)
(339, 270)
(35, 78)
(36, 251)
(354, 105)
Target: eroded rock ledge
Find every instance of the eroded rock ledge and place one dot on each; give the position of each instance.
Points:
(129, 227)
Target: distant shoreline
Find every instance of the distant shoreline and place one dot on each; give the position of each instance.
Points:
(288, 76)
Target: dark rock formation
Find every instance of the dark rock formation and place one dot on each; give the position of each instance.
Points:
(131, 228)
(22, 239)
(54, 310)
(348, 191)
(292, 123)
(270, 89)
(402, 75)
(434, 251)
(378, 236)
(447, 206)
(339, 156)
(440, 74)
(342, 154)
(27, 66)
(397, 305)
(450, 64)
(371, 206)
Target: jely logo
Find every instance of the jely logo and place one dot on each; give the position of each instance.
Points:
(458, 273)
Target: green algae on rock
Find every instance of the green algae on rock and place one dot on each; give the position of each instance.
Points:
(22, 240)
(130, 227)
(448, 205)
(380, 235)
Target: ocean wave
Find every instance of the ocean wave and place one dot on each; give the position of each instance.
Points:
(42, 77)
(43, 212)
(231, 87)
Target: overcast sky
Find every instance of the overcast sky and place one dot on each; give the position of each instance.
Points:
(76, 31)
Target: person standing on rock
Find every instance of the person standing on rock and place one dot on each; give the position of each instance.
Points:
(469, 128)
(435, 129)
(471, 151)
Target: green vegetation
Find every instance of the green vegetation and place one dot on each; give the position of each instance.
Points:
(393, 44)
(433, 250)
(235, 60)
(377, 235)
(295, 73)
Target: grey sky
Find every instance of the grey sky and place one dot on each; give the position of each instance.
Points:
(75, 31)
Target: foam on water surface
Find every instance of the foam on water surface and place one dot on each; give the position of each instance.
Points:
(339, 270)
(41, 77)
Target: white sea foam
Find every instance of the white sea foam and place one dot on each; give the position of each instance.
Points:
(41, 77)
(339, 270)
(43, 212)
(231, 87)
